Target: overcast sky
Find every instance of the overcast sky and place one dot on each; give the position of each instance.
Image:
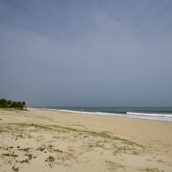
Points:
(86, 52)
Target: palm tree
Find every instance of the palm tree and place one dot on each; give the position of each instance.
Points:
(9, 102)
(14, 104)
(3, 103)
(18, 104)
(23, 104)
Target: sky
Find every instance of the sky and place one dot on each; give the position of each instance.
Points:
(115, 53)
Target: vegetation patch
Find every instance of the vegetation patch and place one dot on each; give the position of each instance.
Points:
(12, 104)
(150, 169)
(57, 150)
(50, 159)
(19, 136)
(10, 155)
(30, 156)
(114, 166)
(56, 128)
(15, 168)
(24, 161)
(25, 149)
(42, 148)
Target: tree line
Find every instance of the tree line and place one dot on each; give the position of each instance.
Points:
(12, 104)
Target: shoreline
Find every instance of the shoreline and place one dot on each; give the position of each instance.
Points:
(118, 115)
(87, 137)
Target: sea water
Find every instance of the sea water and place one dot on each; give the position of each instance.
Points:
(150, 113)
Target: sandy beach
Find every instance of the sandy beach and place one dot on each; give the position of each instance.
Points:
(44, 140)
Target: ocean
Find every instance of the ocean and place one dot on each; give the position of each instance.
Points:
(149, 113)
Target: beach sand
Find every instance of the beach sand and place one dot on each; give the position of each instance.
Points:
(44, 140)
